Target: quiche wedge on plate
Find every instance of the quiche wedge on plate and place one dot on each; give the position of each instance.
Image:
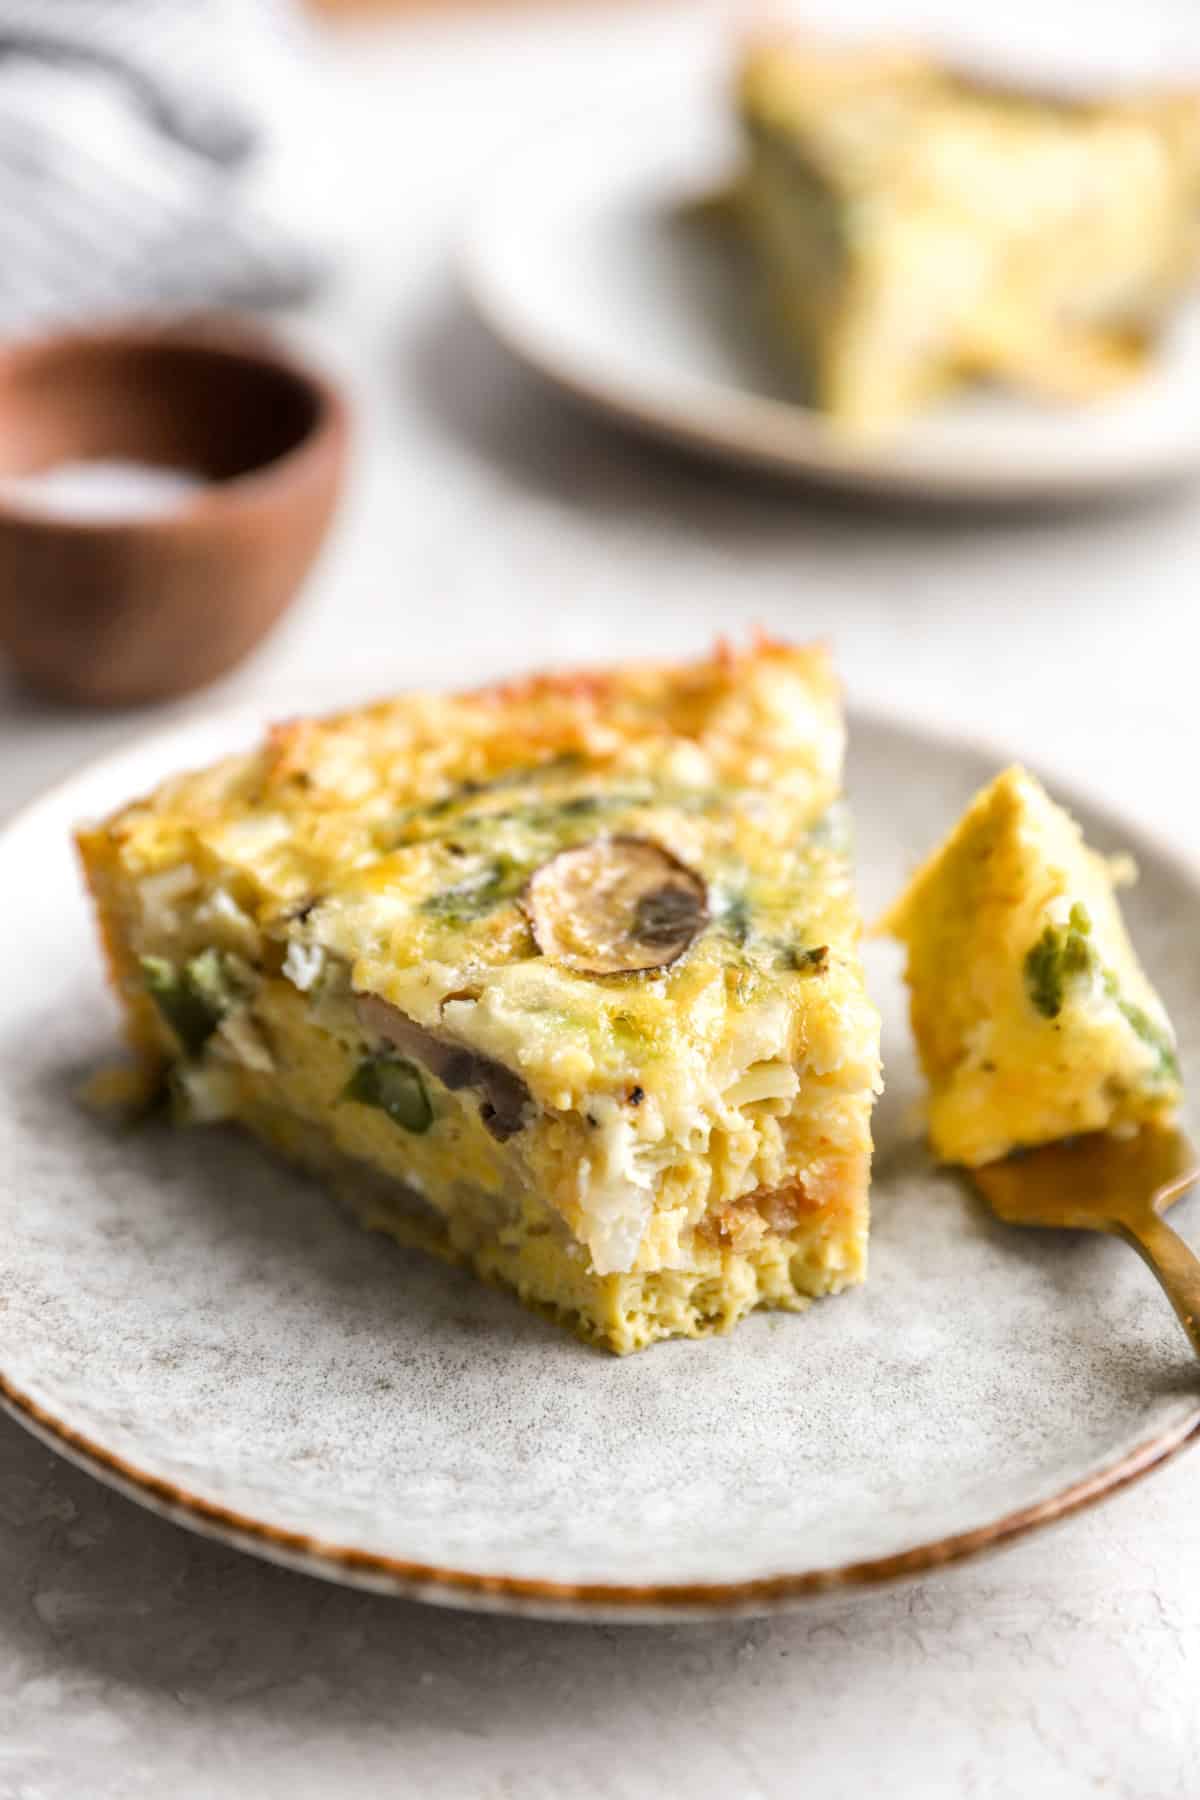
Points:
(559, 979)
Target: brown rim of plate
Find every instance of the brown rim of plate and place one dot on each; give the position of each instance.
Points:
(595, 1601)
(550, 1599)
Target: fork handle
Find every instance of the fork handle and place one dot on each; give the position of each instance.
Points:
(1176, 1266)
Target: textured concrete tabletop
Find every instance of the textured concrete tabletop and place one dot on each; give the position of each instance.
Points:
(136, 1660)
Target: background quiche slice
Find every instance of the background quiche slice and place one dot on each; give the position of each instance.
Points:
(1031, 1013)
(916, 229)
(560, 979)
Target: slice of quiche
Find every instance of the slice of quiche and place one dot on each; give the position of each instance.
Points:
(916, 229)
(1031, 1013)
(559, 978)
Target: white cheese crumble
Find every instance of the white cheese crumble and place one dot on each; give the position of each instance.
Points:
(303, 965)
(615, 1188)
(616, 1220)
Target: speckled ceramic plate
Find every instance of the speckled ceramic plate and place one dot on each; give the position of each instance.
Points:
(207, 1332)
(584, 260)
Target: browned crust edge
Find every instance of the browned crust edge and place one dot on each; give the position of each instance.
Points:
(464, 1588)
(93, 852)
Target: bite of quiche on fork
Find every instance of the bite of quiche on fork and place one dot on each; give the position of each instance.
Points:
(1032, 1015)
(559, 979)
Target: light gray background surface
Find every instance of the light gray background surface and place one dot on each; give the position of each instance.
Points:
(135, 1660)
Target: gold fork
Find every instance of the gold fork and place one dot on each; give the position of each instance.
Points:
(1119, 1185)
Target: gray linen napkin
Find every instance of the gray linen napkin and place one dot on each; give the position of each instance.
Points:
(128, 137)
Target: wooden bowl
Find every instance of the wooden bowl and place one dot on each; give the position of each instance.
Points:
(116, 611)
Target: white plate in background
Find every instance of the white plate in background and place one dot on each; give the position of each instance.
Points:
(582, 260)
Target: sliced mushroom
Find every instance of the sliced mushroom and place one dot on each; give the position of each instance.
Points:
(505, 1095)
(615, 905)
